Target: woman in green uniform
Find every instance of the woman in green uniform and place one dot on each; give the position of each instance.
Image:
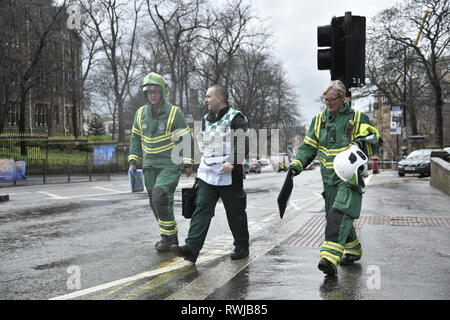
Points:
(331, 132)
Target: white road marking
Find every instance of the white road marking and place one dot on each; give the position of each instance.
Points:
(213, 249)
(178, 264)
(52, 195)
(107, 189)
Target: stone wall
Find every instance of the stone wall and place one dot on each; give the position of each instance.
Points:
(440, 175)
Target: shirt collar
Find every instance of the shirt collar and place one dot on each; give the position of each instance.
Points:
(346, 108)
(163, 109)
(212, 117)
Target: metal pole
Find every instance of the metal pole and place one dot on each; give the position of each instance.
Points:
(405, 68)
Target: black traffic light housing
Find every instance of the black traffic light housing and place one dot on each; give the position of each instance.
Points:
(345, 57)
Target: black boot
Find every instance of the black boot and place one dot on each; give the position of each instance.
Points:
(166, 242)
(327, 267)
(185, 252)
(348, 260)
(239, 253)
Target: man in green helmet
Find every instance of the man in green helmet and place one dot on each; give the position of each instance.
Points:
(157, 128)
(331, 132)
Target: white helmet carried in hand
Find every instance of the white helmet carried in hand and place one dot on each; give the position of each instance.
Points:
(349, 165)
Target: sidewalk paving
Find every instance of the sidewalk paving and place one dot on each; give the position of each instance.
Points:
(404, 231)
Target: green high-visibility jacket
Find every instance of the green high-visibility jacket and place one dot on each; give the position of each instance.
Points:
(330, 134)
(154, 137)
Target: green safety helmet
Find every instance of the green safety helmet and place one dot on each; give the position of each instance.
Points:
(155, 79)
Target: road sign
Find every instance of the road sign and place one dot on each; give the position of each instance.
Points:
(396, 120)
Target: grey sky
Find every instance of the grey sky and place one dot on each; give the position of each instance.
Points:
(294, 26)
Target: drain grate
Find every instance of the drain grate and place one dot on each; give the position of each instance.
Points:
(311, 234)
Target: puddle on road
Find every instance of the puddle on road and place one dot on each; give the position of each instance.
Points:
(55, 264)
(22, 214)
(55, 210)
(257, 190)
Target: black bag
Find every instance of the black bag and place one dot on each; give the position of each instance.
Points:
(188, 196)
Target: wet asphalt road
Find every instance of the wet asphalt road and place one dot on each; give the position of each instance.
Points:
(104, 233)
(100, 230)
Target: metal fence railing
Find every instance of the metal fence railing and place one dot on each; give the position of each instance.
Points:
(59, 160)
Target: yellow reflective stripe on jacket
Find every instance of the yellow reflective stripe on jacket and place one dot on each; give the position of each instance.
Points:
(298, 163)
(133, 157)
(139, 119)
(181, 132)
(332, 152)
(178, 133)
(170, 120)
(136, 131)
(369, 149)
(327, 165)
(157, 139)
(357, 121)
(313, 143)
(159, 149)
(317, 124)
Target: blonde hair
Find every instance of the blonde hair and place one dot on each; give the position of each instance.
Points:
(335, 85)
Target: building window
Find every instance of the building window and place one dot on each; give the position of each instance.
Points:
(56, 114)
(40, 115)
(14, 115)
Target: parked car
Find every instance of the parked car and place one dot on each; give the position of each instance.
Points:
(254, 165)
(447, 149)
(417, 162)
(264, 162)
(245, 166)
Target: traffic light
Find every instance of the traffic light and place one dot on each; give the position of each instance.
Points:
(345, 57)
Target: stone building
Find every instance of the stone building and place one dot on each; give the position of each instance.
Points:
(40, 64)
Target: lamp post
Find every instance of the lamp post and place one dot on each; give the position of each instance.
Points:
(398, 118)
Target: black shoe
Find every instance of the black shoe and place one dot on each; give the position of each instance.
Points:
(327, 267)
(185, 252)
(347, 261)
(239, 253)
(166, 242)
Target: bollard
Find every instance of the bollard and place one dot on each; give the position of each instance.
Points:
(375, 165)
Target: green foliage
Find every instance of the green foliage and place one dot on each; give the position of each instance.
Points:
(96, 126)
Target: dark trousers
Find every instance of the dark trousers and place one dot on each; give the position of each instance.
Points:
(234, 200)
(161, 184)
(342, 206)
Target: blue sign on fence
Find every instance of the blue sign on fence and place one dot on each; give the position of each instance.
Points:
(104, 155)
(11, 170)
(19, 173)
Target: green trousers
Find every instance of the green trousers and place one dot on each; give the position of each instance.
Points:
(234, 200)
(342, 206)
(161, 184)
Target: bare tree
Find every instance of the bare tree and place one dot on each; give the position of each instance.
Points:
(229, 31)
(109, 18)
(401, 26)
(177, 24)
(259, 88)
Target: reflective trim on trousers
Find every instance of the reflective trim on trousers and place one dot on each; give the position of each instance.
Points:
(330, 257)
